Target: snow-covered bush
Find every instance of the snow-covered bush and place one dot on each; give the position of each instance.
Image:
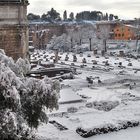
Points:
(106, 128)
(38, 94)
(58, 125)
(23, 101)
(103, 105)
(10, 104)
(20, 68)
(72, 110)
(23, 66)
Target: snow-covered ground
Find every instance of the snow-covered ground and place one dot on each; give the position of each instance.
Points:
(118, 84)
(53, 134)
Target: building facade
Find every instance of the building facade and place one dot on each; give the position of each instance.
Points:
(125, 32)
(105, 29)
(117, 30)
(14, 28)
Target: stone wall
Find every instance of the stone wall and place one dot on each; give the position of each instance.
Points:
(14, 28)
(14, 40)
(13, 14)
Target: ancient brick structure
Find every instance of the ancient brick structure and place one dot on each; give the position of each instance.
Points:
(14, 28)
(42, 33)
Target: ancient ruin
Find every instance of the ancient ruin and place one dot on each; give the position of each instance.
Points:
(14, 28)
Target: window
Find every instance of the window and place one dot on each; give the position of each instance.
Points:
(122, 35)
(119, 35)
(115, 35)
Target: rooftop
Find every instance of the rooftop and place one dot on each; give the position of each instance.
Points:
(107, 22)
(131, 26)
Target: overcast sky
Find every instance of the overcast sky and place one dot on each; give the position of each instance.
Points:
(128, 9)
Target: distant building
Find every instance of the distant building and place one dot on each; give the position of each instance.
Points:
(117, 30)
(106, 27)
(125, 32)
(14, 28)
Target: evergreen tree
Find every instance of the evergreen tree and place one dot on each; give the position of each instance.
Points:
(116, 17)
(106, 16)
(23, 100)
(93, 15)
(111, 17)
(53, 14)
(44, 17)
(71, 16)
(32, 16)
(78, 16)
(65, 15)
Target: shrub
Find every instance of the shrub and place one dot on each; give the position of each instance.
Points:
(23, 100)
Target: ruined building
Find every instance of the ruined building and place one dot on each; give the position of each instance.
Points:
(42, 33)
(14, 28)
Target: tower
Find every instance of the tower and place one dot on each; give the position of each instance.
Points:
(14, 28)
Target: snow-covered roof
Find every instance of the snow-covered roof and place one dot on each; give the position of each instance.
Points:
(106, 22)
(131, 26)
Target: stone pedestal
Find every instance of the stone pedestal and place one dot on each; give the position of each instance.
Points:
(102, 52)
(95, 52)
(121, 53)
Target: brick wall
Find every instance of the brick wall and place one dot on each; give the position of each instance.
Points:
(13, 39)
(14, 29)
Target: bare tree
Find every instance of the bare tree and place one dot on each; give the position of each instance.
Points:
(71, 16)
(104, 34)
(83, 34)
(65, 15)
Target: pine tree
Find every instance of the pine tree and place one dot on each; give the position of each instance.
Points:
(71, 16)
(106, 16)
(116, 17)
(65, 15)
(111, 17)
(53, 14)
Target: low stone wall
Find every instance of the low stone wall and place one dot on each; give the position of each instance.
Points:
(106, 128)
